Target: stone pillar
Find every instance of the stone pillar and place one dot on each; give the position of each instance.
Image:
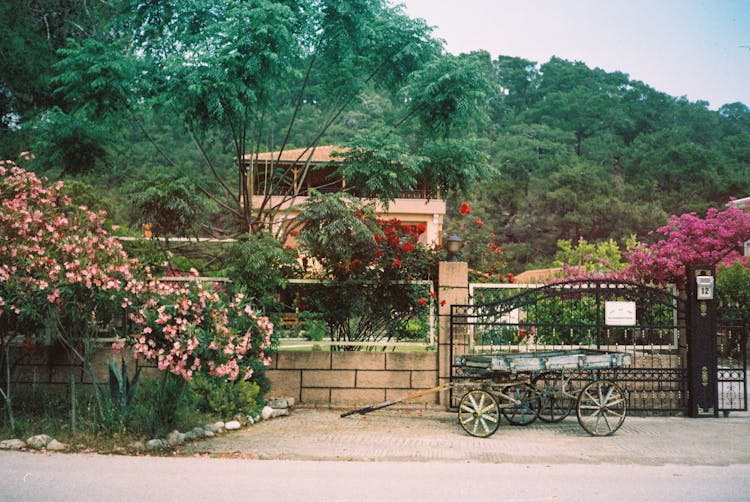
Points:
(453, 289)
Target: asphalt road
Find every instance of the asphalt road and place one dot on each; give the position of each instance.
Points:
(60, 477)
(408, 454)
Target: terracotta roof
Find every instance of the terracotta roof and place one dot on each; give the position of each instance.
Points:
(320, 154)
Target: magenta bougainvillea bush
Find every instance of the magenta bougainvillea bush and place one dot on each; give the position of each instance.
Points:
(689, 239)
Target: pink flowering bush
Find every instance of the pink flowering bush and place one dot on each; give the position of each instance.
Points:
(59, 269)
(690, 240)
(186, 328)
(61, 272)
(56, 259)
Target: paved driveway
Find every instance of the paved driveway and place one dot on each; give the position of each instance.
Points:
(434, 435)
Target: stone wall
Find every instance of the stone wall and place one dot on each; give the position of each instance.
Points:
(353, 378)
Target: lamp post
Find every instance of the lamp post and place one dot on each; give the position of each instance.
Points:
(453, 246)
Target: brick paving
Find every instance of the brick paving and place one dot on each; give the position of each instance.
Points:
(423, 435)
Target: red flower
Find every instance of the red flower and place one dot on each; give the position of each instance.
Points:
(510, 277)
(465, 208)
(408, 246)
(421, 228)
(422, 302)
(479, 223)
(432, 294)
(396, 263)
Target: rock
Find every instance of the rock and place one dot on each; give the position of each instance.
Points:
(137, 446)
(233, 425)
(208, 434)
(266, 412)
(175, 438)
(241, 419)
(155, 444)
(280, 413)
(281, 402)
(56, 445)
(12, 444)
(214, 427)
(38, 442)
(250, 420)
(195, 433)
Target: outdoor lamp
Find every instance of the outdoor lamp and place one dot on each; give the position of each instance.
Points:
(453, 246)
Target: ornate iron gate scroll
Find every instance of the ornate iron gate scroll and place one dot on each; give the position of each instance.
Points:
(571, 315)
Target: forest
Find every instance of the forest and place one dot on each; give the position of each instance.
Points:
(144, 107)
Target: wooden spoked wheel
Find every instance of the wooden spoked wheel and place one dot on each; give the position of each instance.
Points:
(558, 397)
(602, 407)
(478, 413)
(524, 404)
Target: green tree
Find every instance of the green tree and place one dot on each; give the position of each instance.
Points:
(168, 203)
(33, 32)
(199, 61)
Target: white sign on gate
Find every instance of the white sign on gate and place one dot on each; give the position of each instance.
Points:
(619, 313)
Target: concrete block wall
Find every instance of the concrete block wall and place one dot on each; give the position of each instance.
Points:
(353, 378)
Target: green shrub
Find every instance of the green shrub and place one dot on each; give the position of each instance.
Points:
(161, 405)
(225, 398)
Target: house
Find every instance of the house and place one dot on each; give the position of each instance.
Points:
(307, 168)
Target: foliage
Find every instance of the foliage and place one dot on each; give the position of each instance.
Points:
(167, 203)
(225, 398)
(543, 151)
(200, 62)
(69, 143)
(162, 405)
(591, 258)
(260, 265)
(121, 387)
(733, 287)
(367, 267)
(690, 240)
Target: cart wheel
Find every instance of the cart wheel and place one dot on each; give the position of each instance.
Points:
(524, 404)
(602, 407)
(478, 413)
(557, 395)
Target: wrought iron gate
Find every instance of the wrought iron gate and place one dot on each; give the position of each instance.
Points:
(584, 314)
(731, 351)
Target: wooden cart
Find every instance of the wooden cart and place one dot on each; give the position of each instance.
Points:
(525, 386)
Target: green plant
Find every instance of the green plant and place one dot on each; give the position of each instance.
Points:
(161, 405)
(121, 388)
(733, 287)
(313, 328)
(225, 398)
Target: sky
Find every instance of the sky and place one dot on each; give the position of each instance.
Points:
(691, 48)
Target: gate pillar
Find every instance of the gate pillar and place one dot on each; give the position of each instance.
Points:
(701, 332)
(453, 289)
